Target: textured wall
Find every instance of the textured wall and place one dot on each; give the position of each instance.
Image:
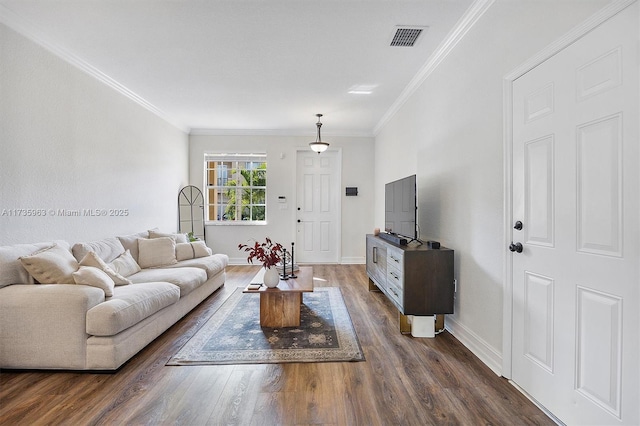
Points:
(72, 148)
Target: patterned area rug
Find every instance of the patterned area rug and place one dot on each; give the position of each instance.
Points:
(233, 334)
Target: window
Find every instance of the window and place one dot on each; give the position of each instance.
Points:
(236, 187)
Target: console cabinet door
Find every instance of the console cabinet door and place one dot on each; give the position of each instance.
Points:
(376, 261)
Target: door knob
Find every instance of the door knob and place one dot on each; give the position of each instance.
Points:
(518, 226)
(299, 221)
(517, 247)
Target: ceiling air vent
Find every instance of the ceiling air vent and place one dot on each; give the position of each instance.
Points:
(406, 36)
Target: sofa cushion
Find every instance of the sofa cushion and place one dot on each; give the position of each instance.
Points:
(92, 259)
(130, 242)
(51, 265)
(156, 252)
(125, 264)
(192, 250)
(187, 279)
(130, 305)
(107, 249)
(12, 270)
(213, 264)
(94, 277)
(178, 238)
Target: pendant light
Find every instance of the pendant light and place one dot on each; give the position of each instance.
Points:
(319, 146)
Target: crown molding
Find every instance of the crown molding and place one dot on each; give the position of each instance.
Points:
(31, 32)
(275, 132)
(468, 20)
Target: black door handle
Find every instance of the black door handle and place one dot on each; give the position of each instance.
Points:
(517, 247)
(518, 226)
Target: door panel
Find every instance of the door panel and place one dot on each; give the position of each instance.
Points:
(539, 191)
(599, 194)
(599, 348)
(538, 320)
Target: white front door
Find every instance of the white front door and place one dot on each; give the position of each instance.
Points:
(576, 328)
(318, 207)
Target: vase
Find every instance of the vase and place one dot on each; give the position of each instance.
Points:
(271, 277)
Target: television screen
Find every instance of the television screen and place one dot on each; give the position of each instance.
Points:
(400, 205)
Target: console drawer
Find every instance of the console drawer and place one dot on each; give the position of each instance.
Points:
(394, 289)
(395, 257)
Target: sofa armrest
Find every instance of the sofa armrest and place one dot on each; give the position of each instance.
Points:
(44, 326)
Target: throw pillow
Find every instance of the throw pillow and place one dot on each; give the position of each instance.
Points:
(92, 259)
(156, 252)
(12, 270)
(125, 264)
(130, 242)
(192, 250)
(108, 249)
(89, 275)
(51, 265)
(179, 238)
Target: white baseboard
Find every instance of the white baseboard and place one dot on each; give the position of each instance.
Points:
(475, 344)
(353, 261)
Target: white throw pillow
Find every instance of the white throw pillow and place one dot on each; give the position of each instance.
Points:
(125, 264)
(12, 271)
(95, 277)
(92, 259)
(192, 250)
(107, 249)
(156, 252)
(51, 265)
(178, 238)
(130, 242)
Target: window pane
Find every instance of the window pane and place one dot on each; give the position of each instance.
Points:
(245, 196)
(229, 212)
(258, 196)
(259, 213)
(260, 177)
(246, 213)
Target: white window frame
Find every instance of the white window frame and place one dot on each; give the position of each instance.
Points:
(233, 157)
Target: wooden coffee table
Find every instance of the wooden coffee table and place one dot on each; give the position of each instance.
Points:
(280, 306)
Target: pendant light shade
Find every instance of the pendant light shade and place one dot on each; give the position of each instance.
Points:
(319, 146)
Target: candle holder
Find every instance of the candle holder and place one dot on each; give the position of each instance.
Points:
(284, 276)
(293, 262)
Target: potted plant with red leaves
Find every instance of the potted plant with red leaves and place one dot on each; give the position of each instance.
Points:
(269, 254)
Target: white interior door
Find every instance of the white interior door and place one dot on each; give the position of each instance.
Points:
(576, 328)
(318, 207)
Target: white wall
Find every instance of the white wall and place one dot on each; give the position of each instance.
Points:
(69, 142)
(357, 170)
(449, 132)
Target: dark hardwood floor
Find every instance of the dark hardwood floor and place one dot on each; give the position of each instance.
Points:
(404, 380)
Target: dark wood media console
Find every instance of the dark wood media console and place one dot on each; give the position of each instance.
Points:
(416, 278)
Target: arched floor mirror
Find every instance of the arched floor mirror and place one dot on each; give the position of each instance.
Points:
(191, 212)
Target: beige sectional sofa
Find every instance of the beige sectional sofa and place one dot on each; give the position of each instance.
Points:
(94, 305)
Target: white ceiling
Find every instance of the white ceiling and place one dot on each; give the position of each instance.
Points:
(245, 65)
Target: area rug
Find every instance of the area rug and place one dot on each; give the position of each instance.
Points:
(233, 334)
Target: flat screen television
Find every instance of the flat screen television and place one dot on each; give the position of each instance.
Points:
(401, 207)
